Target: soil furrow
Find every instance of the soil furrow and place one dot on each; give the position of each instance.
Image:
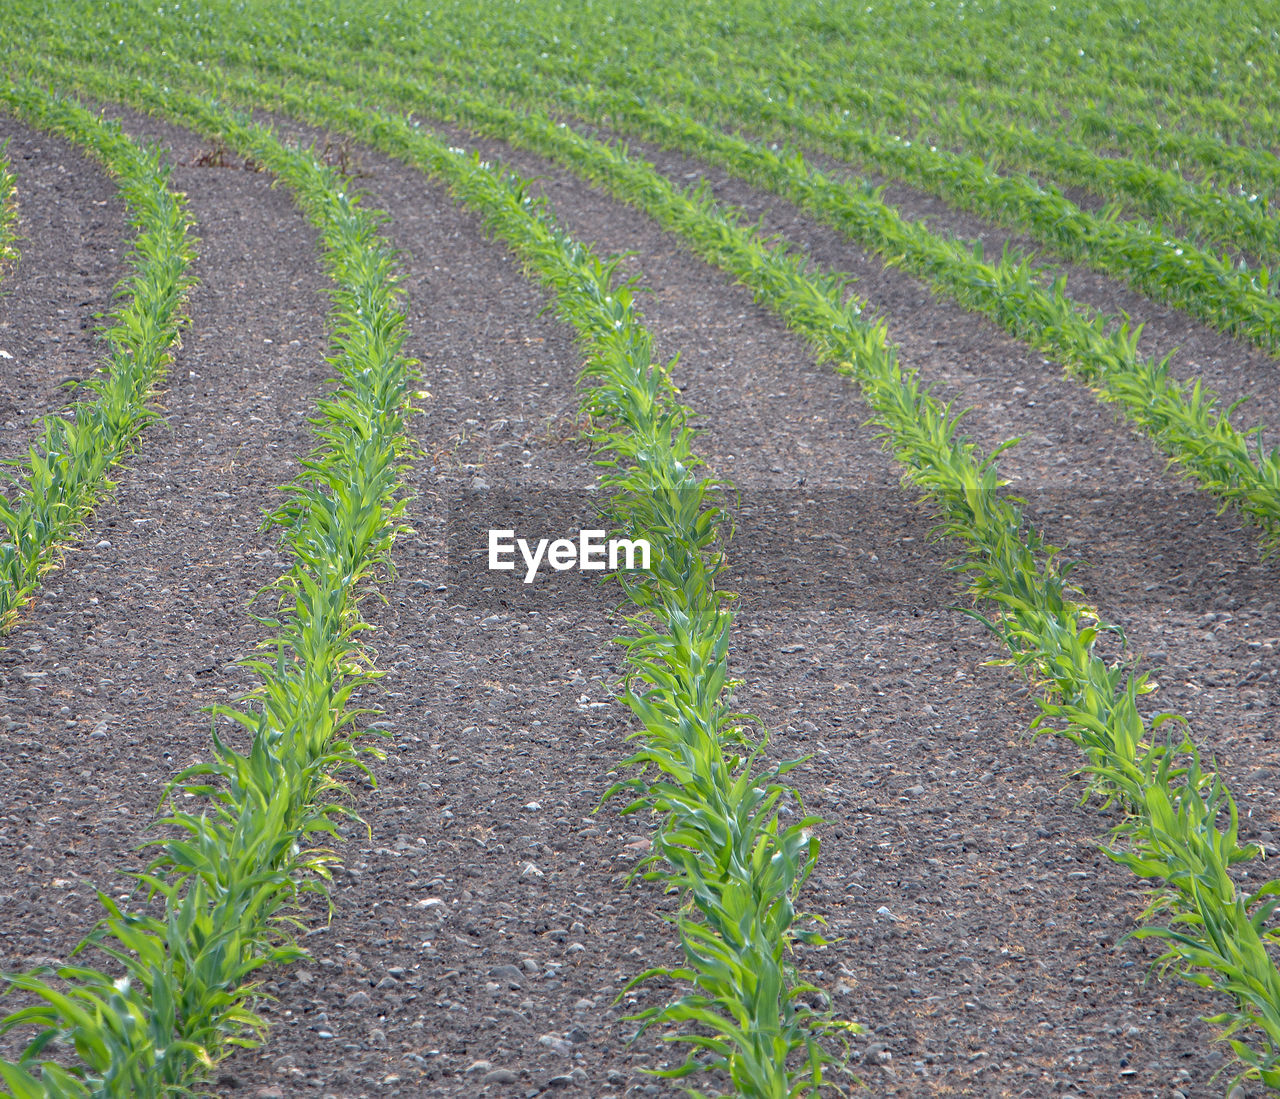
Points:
(1230, 366)
(72, 245)
(100, 690)
(945, 824)
(481, 932)
(1185, 583)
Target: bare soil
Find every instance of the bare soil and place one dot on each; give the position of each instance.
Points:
(484, 925)
(72, 242)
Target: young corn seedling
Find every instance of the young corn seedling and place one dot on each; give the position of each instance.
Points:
(8, 215)
(751, 1023)
(1052, 638)
(65, 474)
(227, 878)
(1183, 418)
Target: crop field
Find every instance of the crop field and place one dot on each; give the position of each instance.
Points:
(569, 548)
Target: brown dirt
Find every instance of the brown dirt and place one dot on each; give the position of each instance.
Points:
(1186, 584)
(72, 241)
(978, 927)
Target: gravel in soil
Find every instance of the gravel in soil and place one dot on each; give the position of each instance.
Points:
(72, 241)
(1186, 584)
(482, 930)
(102, 679)
(1001, 899)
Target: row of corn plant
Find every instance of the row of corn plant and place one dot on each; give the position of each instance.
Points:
(1226, 144)
(748, 66)
(763, 99)
(64, 476)
(1020, 124)
(753, 1020)
(752, 66)
(1081, 56)
(244, 834)
(8, 214)
(821, 116)
(1210, 216)
(1180, 824)
(720, 841)
(1230, 296)
(1184, 418)
(612, 46)
(1024, 125)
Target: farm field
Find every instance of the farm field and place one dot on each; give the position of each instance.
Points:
(933, 350)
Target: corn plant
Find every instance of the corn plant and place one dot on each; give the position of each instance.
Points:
(1051, 634)
(8, 214)
(65, 473)
(748, 1013)
(1185, 419)
(225, 880)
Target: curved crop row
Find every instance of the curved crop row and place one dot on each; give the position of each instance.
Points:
(1135, 125)
(720, 841)
(1130, 56)
(65, 473)
(1184, 419)
(227, 876)
(1180, 825)
(767, 97)
(1239, 300)
(1023, 124)
(1209, 216)
(615, 46)
(1232, 297)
